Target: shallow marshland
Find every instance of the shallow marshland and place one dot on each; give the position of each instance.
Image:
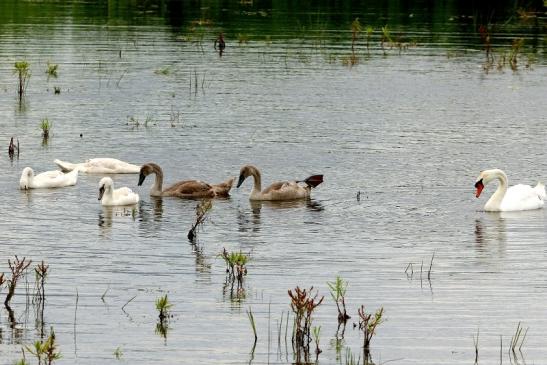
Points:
(410, 129)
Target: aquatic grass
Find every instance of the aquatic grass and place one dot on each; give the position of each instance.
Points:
(513, 54)
(368, 323)
(118, 353)
(252, 321)
(338, 292)
(235, 264)
(356, 29)
(51, 69)
(165, 71)
(242, 38)
(518, 336)
(45, 126)
(22, 69)
(369, 30)
(316, 333)
(349, 358)
(46, 351)
(303, 304)
(202, 209)
(163, 306)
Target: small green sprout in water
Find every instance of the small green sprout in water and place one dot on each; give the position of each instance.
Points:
(369, 31)
(356, 29)
(316, 332)
(163, 306)
(22, 69)
(118, 353)
(242, 38)
(338, 292)
(45, 126)
(235, 263)
(52, 69)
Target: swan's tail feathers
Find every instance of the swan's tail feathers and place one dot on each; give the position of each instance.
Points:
(540, 189)
(65, 166)
(314, 180)
(223, 189)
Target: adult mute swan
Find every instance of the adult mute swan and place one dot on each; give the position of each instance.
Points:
(282, 190)
(110, 196)
(48, 179)
(100, 166)
(183, 189)
(518, 197)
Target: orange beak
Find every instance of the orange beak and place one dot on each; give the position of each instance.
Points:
(479, 185)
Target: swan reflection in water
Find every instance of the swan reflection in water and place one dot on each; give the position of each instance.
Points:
(108, 213)
(253, 222)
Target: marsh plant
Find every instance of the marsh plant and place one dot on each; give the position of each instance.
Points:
(303, 304)
(368, 323)
(386, 37)
(338, 293)
(13, 149)
(202, 209)
(45, 126)
(22, 69)
(235, 265)
(17, 268)
(46, 351)
(51, 69)
(163, 306)
(41, 272)
(316, 334)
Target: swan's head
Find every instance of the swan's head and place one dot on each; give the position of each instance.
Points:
(485, 177)
(245, 172)
(147, 169)
(105, 185)
(26, 176)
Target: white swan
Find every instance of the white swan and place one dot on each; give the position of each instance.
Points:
(48, 179)
(518, 197)
(100, 166)
(110, 196)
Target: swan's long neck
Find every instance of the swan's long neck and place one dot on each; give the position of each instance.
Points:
(158, 182)
(257, 186)
(494, 203)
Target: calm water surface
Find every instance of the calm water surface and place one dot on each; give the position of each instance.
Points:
(409, 130)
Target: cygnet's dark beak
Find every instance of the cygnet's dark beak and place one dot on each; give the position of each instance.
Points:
(240, 181)
(141, 178)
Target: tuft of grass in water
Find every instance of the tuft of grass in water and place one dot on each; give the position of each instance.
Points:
(51, 69)
(163, 71)
(235, 265)
(338, 293)
(349, 359)
(316, 332)
(118, 353)
(513, 54)
(46, 352)
(242, 38)
(518, 337)
(368, 323)
(22, 69)
(163, 306)
(45, 126)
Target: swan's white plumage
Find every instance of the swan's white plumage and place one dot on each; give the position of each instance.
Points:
(103, 165)
(514, 198)
(47, 179)
(110, 196)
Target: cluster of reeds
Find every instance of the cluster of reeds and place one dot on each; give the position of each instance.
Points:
(303, 304)
(202, 209)
(22, 69)
(45, 126)
(235, 265)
